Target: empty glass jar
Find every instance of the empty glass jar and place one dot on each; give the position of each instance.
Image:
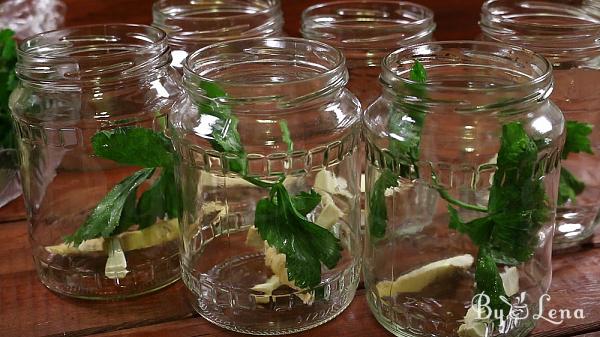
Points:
(367, 31)
(463, 155)
(269, 175)
(97, 171)
(192, 25)
(569, 36)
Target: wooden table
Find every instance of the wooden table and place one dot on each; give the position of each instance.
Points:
(28, 309)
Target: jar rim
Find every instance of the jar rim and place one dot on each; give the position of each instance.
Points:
(558, 9)
(559, 31)
(422, 52)
(334, 75)
(95, 54)
(159, 6)
(23, 51)
(417, 23)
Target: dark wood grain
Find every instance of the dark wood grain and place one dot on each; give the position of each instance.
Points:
(13, 211)
(29, 309)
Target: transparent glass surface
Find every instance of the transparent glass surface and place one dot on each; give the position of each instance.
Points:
(76, 85)
(424, 257)
(365, 32)
(237, 275)
(567, 34)
(191, 25)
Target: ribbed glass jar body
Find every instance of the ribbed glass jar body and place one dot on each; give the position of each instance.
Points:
(366, 31)
(569, 36)
(83, 92)
(191, 25)
(461, 189)
(267, 125)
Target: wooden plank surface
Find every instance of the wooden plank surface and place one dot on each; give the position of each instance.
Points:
(29, 309)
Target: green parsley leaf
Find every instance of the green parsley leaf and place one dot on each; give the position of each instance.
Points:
(134, 146)
(478, 230)
(8, 82)
(405, 125)
(225, 135)
(577, 140)
(106, 217)
(517, 202)
(305, 203)
(489, 281)
(160, 200)
(569, 187)
(304, 243)
(285, 134)
(378, 218)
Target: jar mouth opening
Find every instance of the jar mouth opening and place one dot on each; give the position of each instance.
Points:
(92, 41)
(193, 10)
(361, 24)
(553, 17)
(95, 53)
(207, 22)
(267, 69)
(450, 64)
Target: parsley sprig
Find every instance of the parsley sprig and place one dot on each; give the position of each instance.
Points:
(280, 218)
(120, 208)
(517, 206)
(577, 140)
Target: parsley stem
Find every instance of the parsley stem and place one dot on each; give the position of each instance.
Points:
(258, 182)
(446, 196)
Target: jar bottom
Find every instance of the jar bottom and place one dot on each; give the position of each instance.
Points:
(157, 271)
(384, 314)
(575, 225)
(237, 310)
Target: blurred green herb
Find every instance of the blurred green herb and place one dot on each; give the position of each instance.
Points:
(8, 82)
(577, 140)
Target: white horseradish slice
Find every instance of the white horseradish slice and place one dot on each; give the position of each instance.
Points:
(475, 326)
(510, 280)
(330, 213)
(116, 264)
(326, 181)
(160, 232)
(267, 289)
(420, 278)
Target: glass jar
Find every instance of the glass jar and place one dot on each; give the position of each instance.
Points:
(96, 167)
(462, 181)
(269, 176)
(569, 36)
(191, 25)
(367, 31)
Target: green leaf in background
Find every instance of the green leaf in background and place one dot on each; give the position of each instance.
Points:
(107, 215)
(8, 82)
(569, 187)
(285, 134)
(134, 146)
(577, 140)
